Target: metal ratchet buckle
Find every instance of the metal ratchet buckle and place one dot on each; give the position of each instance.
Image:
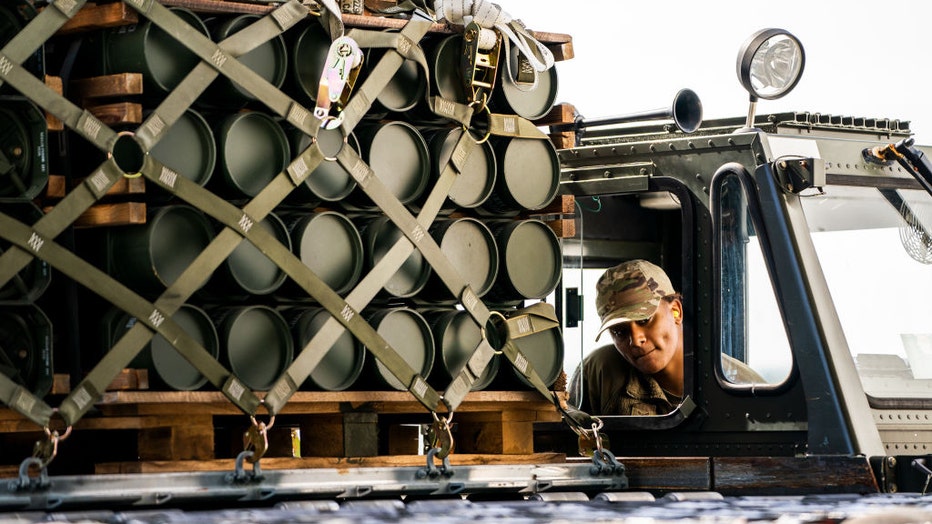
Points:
(256, 439)
(479, 65)
(344, 61)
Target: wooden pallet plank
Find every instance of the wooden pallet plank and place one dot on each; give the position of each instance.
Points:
(117, 214)
(57, 187)
(121, 84)
(342, 463)
(51, 121)
(94, 16)
(563, 113)
(117, 113)
(309, 402)
(562, 205)
(563, 227)
(130, 379)
(563, 139)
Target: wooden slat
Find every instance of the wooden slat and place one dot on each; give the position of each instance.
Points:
(793, 475)
(562, 205)
(130, 380)
(561, 51)
(668, 474)
(51, 121)
(563, 139)
(563, 227)
(117, 113)
(342, 463)
(61, 384)
(119, 214)
(93, 16)
(309, 402)
(56, 188)
(559, 114)
(121, 84)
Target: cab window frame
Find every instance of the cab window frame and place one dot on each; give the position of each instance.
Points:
(756, 217)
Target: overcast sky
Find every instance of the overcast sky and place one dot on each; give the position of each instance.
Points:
(869, 59)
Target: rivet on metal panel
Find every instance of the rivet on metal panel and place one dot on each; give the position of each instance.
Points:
(607, 174)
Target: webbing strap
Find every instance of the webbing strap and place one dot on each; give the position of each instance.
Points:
(77, 201)
(82, 122)
(77, 403)
(40, 29)
(316, 348)
(382, 73)
(242, 221)
(24, 402)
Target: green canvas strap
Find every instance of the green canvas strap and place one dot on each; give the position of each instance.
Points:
(38, 31)
(316, 348)
(242, 221)
(96, 185)
(24, 402)
(81, 398)
(382, 73)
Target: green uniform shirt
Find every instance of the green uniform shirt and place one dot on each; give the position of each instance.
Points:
(614, 387)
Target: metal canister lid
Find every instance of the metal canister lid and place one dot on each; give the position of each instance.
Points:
(523, 91)
(269, 60)
(146, 48)
(404, 89)
(329, 181)
(470, 247)
(408, 333)
(188, 148)
(476, 180)
(528, 175)
(172, 368)
(152, 256)
(253, 149)
(330, 245)
(251, 270)
(342, 364)
(31, 281)
(456, 336)
(530, 260)
(544, 350)
(446, 65)
(24, 143)
(379, 235)
(256, 343)
(398, 155)
(26, 347)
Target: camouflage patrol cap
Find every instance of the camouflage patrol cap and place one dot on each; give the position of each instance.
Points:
(629, 292)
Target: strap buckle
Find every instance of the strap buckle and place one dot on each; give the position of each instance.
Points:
(344, 61)
(482, 48)
(46, 450)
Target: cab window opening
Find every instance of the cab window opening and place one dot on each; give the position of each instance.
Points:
(636, 226)
(754, 351)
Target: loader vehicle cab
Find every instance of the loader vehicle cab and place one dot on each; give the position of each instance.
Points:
(800, 248)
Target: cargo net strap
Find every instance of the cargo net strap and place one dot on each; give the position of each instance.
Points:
(155, 317)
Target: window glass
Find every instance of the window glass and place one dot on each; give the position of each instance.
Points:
(755, 348)
(875, 249)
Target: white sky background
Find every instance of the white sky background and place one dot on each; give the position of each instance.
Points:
(870, 59)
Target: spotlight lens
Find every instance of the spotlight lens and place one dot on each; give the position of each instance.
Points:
(771, 63)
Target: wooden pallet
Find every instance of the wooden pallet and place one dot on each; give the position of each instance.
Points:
(201, 431)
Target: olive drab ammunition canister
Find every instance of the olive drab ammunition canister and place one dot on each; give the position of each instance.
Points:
(260, 204)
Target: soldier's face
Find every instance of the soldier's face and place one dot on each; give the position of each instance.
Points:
(650, 345)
